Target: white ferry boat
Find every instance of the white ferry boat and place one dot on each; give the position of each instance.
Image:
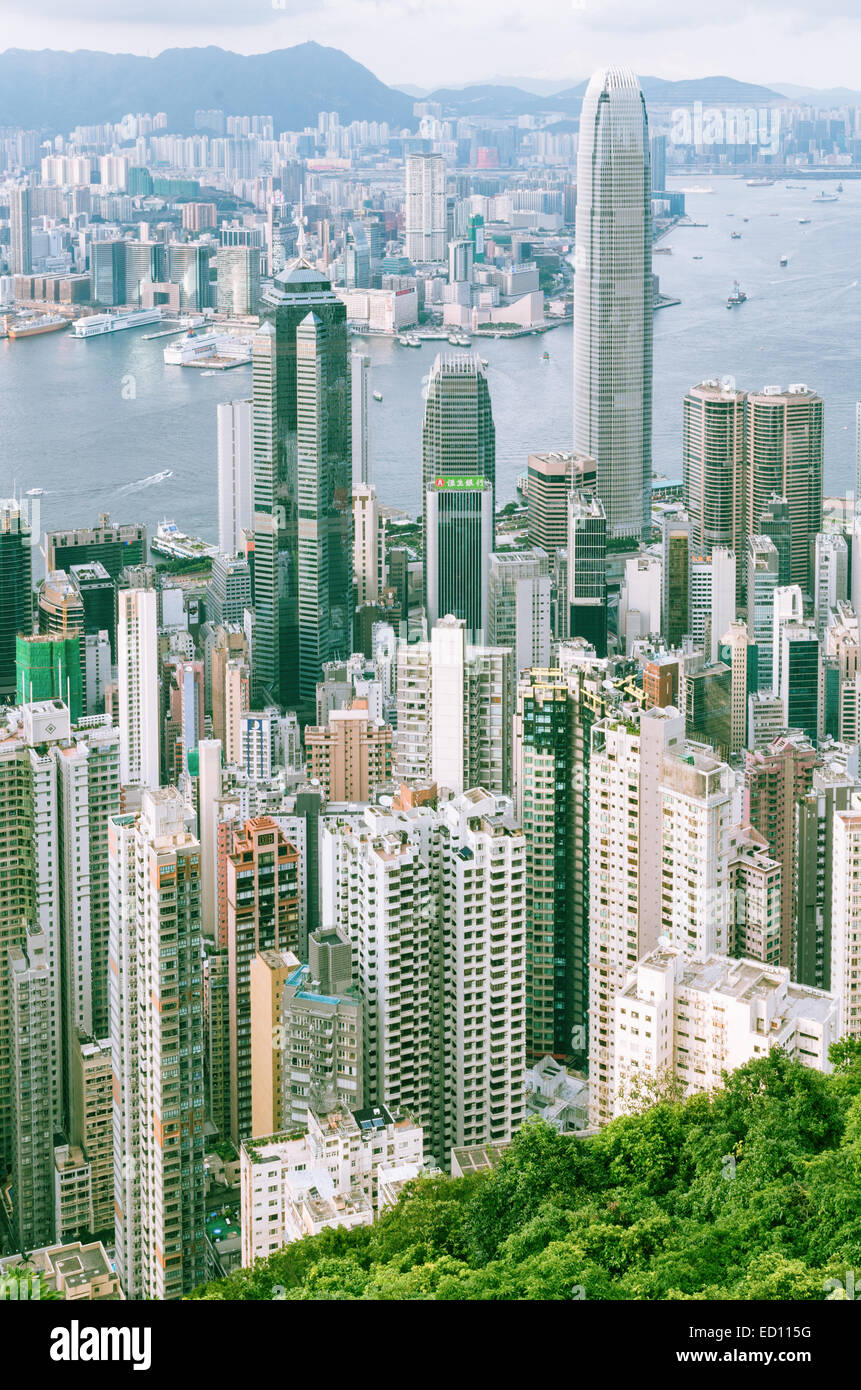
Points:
(173, 543)
(95, 324)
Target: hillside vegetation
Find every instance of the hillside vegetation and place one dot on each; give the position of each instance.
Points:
(751, 1193)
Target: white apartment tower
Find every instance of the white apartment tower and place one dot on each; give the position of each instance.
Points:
(138, 691)
(158, 1083)
(425, 208)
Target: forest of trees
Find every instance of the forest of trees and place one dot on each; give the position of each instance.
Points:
(751, 1193)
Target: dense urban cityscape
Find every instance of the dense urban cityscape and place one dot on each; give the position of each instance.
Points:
(432, 833)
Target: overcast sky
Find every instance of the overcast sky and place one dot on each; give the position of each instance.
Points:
(433, 42)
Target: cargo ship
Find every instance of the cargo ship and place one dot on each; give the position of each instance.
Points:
(42, 323)
(93, 325)
(173, 543)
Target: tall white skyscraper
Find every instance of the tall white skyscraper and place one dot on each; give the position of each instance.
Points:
(137, 669)
(235, 512)
(360, 386)
(425, 207)
(613, 298)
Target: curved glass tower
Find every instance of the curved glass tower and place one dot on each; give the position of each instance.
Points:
(613, 299)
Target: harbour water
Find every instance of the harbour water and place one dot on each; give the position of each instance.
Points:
(94, 422)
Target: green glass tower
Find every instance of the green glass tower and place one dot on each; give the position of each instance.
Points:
(16, 595)
(302, 486)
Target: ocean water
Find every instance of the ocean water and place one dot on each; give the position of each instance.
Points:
(93, 421)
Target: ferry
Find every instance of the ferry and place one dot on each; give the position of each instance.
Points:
(697, 188)
(784, 260)
(93, 325)
(545, 357)
(737, 297)
(378, 395)
(173, 543)
(735, 236)
(823, 197)
(760, 183)
(662, 250)
(803, 221)
(42, 323)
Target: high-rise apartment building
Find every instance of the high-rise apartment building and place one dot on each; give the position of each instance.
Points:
(20, 239)
(613, 352)
(138, 681)
(762, 582)
(369, 544)
(351, 756)
(830, 575)
(845, 942)
(33, 1056)
(157, 1047)
(776, 779)
(425, 208)
(519, 606)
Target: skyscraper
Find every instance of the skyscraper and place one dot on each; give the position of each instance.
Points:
(784, 456)
(302, 466)
(360, 365)
(234, 475)
(713, 463)
(21, 256)
(138, 696)
(238, 287)
(425, 207)
(613, 298)
(459, 453)
(458, 546)
(587, 586)
(16, 597)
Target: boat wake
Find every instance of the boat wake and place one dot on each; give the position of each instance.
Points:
(148, 482)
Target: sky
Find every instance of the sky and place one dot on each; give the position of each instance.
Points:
(432, 43)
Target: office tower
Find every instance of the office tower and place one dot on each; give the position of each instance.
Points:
(157, 1047)
(49, 668)
(766, 719)
(340, 1169)
(551, 787)
(626, 767)
(369, 544)
(302, 465)
(459, 526)
(735, 650)
(454, 711)
(775, 522)
(188, 267)
(658, 163)
(775, 779)
(20, 245)
(842, 647)
(99, 599)
(735, 1004)
(228, 592)
(713, 464)
(830, 575)
(845, 914)
(108, 272)
(16, 597)
(138, 693)
(784, 456)
(587, 555)
(60, 608)
(723, 595)
(701, 602)
(675, 577)
(425, 229)
(639, 614)
(235, 512)
(763, 567)
(706, 700)
(262, 915)
(458, 436)
(183, 720)
(145, 265)
(788, 608)
(357, 258)
(800, 675)
(519, 606)
(613, 352)
(238, 280)
(360, 370)
(351, 756)
(33, 1057)
(661, 681)
(310, 1055)
(550, 478)
(460, 260)
(114, 546)
(84, 1165)
(832, 790)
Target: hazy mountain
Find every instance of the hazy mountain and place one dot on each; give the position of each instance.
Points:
(816, 96)
(56, 91)
(497, 101)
